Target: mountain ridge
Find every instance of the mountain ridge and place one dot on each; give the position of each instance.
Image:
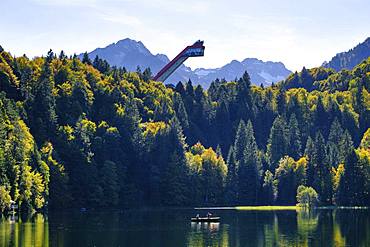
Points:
(349, 59)
(130, 54)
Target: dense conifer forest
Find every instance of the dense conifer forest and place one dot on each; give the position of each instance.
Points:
(84, 134)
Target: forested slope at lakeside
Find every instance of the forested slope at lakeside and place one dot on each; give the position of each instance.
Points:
(83, 134)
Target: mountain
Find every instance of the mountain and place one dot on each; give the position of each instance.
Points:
(349, 59)
(260, 72)
(131, 53)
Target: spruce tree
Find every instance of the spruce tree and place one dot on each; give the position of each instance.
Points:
(286, 181)
(180, 110)
(278, 141)
(231, 187)
(351, 183)
(244, 98)
(345, 146)
(309, 153)
(44, 117)
(334, 140)
(322, 181)
(174, 181)
(86, 59)
(281, 102)
(248, 173)
(320, 116)
(222, 126)
(294, 148)
(268, 188)
(240, 142)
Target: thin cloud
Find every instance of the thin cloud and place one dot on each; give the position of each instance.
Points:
(68, 3)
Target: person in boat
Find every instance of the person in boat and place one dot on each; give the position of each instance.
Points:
(209, 215)
(197, 216)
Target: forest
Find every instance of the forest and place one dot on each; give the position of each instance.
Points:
(80, 133)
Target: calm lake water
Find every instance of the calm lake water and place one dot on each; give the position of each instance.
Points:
(172, 228)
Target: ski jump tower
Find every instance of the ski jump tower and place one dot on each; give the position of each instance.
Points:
(195, 50)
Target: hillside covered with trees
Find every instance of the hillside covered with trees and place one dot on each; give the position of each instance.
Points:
(83, 134)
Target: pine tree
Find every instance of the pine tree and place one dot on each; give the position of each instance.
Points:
(222, 126)
(180, 110)
(286, 181)
(278, 141)
(268, 188)
(248, 173)
(294, 148)
(311, 167)
(86, 59)
(322, 181)
(109, 183)
(231, 187)
(334, 140)
(352, 190)
(240, 141)
(345, 146)
(320, 117)
(306, 79)
(147, 74)
(244, 98)
(281, 102)
(180, 88)
(44, 117)
(174, 180)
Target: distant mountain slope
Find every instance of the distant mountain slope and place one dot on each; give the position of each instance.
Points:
(260, 72)
(327, 79)
(349, 59)
(130, 54)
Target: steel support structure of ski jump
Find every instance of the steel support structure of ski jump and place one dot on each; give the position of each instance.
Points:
(195, 50)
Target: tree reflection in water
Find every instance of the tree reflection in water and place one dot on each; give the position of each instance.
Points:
(286, 228)
(165, 228)
(28, 231)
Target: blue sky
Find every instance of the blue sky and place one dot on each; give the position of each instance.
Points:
(297, 32)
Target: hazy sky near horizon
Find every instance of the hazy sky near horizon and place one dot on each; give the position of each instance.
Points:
(297, 33)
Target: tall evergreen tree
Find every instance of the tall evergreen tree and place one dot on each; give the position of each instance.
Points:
(248, 174)
(222, 126)
(278, 141)
(345, 146)
(320, 117)
(181, 113)
(311, 167)
(86, 59)
(268, 188)
(240, 142)
(44, 118)
(281, 102)
(286, 181)
(174, 180)
(334, 140)
(352, 190)
(243, 97)
(294, 147)
(231, 188)
(322, 181)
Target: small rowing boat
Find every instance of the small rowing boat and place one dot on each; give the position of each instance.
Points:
(205, 219)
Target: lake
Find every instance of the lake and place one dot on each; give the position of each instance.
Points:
(172, 228)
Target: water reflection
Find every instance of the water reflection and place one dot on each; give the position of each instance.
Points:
(28, 231)
(172, 228)
(286, 228)
(207, 234)
(211, 227)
